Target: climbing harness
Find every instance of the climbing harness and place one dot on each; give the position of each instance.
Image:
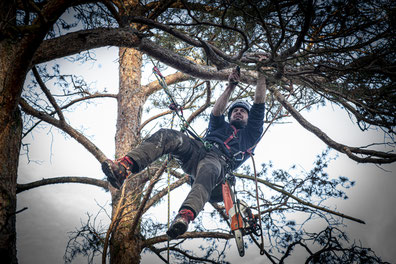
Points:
(242, 220)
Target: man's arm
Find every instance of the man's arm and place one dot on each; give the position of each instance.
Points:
(259, 95)
(221, 103)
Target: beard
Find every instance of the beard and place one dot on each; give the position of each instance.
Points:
(238, 123)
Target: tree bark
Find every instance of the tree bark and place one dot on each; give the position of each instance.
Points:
(131, 98)
(126, 244)
(10, 142)
(17, 51)
(11, 81)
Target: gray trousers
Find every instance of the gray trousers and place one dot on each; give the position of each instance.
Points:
(207, 168)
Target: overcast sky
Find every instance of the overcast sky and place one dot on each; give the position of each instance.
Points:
(55, 210)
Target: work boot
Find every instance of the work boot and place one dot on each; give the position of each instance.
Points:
(180, 223)
(117, 171)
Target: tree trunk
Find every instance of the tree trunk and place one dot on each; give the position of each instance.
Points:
(10, 138)
(10, 142)
(16, 55)
(126, 246)
(131, 98)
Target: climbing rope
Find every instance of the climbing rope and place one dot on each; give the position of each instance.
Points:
(168, 242)
(176, 108)
(169, 157)
(261, 246)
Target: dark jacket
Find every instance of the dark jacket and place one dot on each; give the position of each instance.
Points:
(220, 130)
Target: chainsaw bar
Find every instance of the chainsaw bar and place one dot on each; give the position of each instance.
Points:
(239, 242)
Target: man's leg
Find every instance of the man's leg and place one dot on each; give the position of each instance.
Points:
(209, 173)
(162, 142)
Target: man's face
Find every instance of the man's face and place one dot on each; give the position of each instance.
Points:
(239, 117)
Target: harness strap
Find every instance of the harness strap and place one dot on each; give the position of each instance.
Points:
(240, 155)
(233, 135)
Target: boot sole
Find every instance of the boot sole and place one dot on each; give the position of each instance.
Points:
(176, 230)
(106, 168)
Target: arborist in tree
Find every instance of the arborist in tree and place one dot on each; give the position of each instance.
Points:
(207, 167)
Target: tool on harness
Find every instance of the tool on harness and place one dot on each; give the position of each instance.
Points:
(242, 220)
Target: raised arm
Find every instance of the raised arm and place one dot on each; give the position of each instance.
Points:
(221, 103)
(261, 88)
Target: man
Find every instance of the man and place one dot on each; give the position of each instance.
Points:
(207, 167)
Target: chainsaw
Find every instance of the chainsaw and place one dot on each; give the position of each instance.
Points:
(243, 222)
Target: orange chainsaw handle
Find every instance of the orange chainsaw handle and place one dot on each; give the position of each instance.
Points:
(228, 203)
(236, 218)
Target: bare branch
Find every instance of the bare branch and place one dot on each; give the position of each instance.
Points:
(48, 94)
(272, 186)
(164, 238)
(371, 155)
(58, 180)
(164, 191)
(98, 154)
(308, 12)
(203, 107)
(85, 98)
(146, 197)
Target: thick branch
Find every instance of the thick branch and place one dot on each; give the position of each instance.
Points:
(193, 41)
(57, 180)
(170, 79)
(127, 37)
(85, 40)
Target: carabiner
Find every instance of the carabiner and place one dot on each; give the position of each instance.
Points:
(242, 156)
